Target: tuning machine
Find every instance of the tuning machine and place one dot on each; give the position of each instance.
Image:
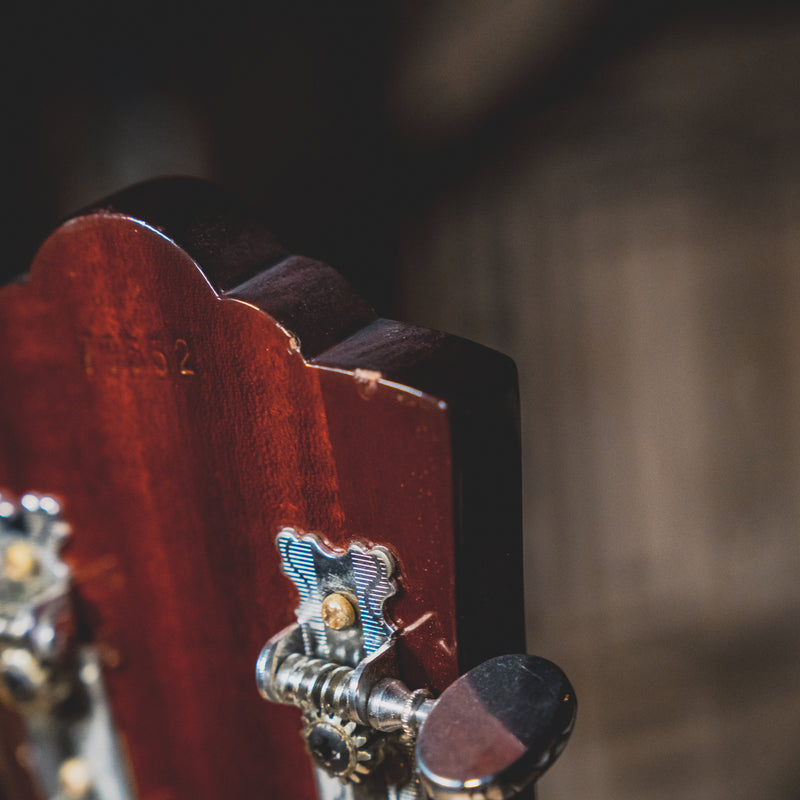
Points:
(490, 735)
(53, 682)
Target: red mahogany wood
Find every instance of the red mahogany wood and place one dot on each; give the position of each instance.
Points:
(186, 388)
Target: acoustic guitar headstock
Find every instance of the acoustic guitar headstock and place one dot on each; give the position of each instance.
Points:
(215, 459)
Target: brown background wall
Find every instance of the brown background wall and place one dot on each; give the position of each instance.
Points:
(636, 248)
(610, 195)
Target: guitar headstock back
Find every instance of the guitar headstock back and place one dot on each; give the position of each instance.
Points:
(185, 389)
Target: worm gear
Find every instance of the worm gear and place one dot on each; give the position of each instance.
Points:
(345, 750)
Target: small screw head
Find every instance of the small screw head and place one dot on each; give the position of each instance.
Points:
(345, 750)
(329, 748)
(20, 562)
(74, 778)
(337, 612)
(22, 679)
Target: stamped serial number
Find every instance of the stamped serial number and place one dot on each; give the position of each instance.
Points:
(153, 356)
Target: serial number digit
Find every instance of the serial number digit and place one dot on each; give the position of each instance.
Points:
(183, 355)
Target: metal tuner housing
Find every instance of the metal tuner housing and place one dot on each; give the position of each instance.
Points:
(492, 733)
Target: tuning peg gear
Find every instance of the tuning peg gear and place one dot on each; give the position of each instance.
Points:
(344, 749)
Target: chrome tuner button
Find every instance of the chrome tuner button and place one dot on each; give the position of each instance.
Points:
(496, 729)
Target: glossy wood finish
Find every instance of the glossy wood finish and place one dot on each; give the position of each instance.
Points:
(186, 388)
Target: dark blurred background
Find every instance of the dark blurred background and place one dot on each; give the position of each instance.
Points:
(609, 192)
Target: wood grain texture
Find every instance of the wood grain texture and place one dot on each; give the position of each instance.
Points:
(186, 388)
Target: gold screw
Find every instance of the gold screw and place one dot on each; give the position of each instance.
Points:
(337, 612)
(20, 561)
(74, 778)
